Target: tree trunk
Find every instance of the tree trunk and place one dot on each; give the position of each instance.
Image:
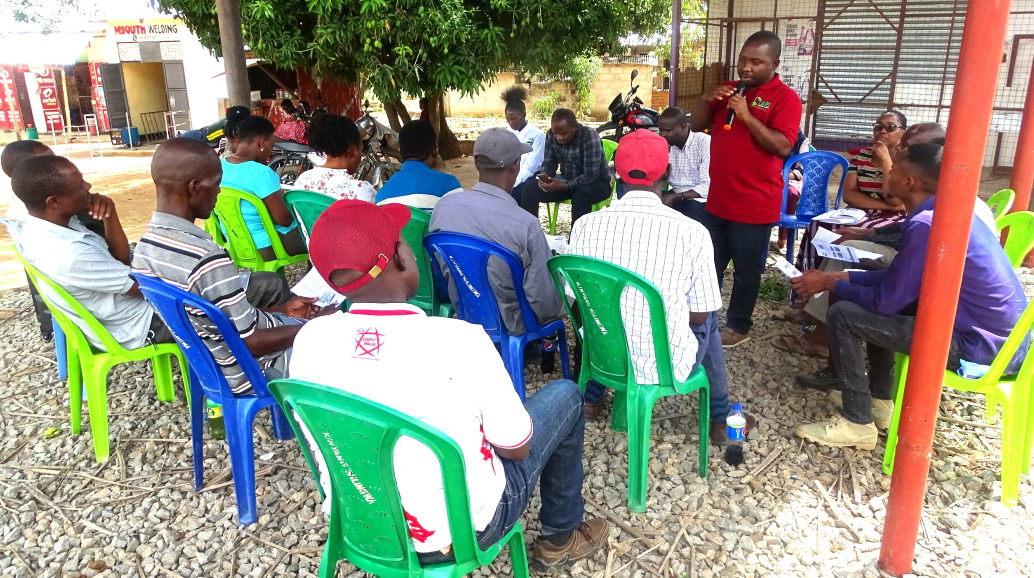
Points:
(448, 144)
(400, 108)
(231, 38)
(393, 116)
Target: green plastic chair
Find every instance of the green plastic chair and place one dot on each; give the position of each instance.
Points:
(426, 297)
(306, 206)
(606, 358)
(238, 239)
(1001, 202)
(88, 366)
(1020, 239)
(1012, 392)
(553, 209)
(367, 523)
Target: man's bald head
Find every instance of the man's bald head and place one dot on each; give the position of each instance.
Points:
(186, 173)
(922, 132)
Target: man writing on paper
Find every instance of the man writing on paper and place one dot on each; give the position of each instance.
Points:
(747, 170)
(872, 309)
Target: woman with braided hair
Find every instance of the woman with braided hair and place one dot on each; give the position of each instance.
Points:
(517, 119)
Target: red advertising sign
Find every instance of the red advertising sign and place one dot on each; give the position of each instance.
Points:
(100, 106)
(10, 114)
(46, 87)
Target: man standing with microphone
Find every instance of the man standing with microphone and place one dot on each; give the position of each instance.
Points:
(754, 123)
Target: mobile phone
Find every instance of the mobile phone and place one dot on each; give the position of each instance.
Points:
(542, 177)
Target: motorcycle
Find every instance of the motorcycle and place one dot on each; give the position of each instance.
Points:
(628, 113)
(289, 159)
(381, 156)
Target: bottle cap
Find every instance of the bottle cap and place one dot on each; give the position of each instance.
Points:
(737, 407)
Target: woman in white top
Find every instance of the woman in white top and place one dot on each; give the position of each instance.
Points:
(338, 138)
(517, 119)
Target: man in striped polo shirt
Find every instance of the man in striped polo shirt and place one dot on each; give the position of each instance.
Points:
(187, 173)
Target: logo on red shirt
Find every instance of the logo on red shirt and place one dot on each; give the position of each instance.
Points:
(368, 343)
(418, 532)
(760, 103)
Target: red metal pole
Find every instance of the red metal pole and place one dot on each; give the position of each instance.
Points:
(1023, 165)
(973, 99)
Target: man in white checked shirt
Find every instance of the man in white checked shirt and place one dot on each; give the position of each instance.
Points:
(690, 157)
(674, 253)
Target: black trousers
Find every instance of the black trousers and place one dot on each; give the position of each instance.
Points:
(747, 246)
(529, 195)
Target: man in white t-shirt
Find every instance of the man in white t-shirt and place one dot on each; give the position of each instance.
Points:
(448, 374)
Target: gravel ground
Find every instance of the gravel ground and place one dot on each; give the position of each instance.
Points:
(62, 514)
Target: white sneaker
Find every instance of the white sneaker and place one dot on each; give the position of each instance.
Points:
(882, 409)
(838, 433)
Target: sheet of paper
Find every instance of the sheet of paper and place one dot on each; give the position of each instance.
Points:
(313, 285)
(823, 235)
(842, 216)
(557, 243)
(844, 253)
(787, 268)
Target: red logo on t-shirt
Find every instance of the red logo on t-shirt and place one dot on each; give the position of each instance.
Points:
(418, 532)
(368, 343)
(486, 449)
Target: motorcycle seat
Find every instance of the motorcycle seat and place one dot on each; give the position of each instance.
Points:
(291, 146)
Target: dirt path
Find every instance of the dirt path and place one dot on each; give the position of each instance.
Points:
(127, 180)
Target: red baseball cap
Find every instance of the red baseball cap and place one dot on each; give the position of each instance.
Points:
(356, 235)
(641, 158)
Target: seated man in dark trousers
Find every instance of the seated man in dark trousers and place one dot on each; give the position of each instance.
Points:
(584, 175)
(448, 374)
(872, 304)
(186, 173)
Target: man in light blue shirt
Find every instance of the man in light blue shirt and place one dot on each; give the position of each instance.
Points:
(418, 185)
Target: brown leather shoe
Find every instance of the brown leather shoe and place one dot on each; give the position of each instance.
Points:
(717, 435)
(592, 410)
(586, 539)
(731, 338)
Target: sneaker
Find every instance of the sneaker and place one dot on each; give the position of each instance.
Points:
(839, 433)
(822, 380)
(732, 338)
(717, 435)
(882, 409)
(584, 541)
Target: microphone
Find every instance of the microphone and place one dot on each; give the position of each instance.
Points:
(740, 89)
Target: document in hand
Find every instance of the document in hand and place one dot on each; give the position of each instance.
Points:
(842, 217)
(313, 285)
(844, 253)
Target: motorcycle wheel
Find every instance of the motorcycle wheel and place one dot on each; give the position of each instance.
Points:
(288, 172)
(609, 131)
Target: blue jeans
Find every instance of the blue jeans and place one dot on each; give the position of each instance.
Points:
(554, 460)
(710, 355)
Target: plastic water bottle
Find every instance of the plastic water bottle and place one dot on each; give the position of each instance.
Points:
(735, 425)
(214, 416)
(548, 363)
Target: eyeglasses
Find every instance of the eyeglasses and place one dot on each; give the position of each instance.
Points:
(887, 127)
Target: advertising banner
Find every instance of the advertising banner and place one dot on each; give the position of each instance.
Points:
(10, 113)
(100, 106)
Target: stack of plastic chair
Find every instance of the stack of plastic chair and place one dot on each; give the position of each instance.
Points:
(306, 206)
(597, 286)
(238, 239)
(467, 257)
(1019, 239)
(88, 366)
(553, 209)
(818, 169)
(206, 378)
(1012, 392)
(368, 527)
(426, 298)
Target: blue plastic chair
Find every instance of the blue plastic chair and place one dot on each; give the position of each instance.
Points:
(238, 412)
(818, 168)
(61, 351)
(467, 258)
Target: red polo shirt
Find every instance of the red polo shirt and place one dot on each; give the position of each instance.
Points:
(747, 180)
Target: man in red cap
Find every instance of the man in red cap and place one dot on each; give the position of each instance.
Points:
(674, 253)
(448, 374)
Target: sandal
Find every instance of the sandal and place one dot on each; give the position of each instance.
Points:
(795, 316)
(799, 344)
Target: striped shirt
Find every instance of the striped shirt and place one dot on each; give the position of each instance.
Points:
(178, 252)
(870, 177)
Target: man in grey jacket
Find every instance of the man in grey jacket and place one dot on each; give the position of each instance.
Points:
(488, 211)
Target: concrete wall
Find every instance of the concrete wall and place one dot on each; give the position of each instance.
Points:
(145, 89)
(613, 79)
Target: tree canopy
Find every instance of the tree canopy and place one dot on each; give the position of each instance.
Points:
(420, 47)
